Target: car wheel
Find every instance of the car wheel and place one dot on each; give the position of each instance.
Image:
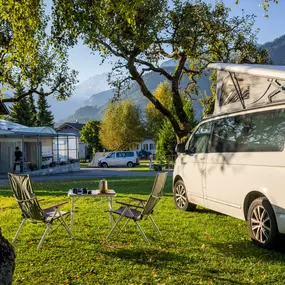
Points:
(180, 197)
(130, 164)
(262, 224)
(104, 165)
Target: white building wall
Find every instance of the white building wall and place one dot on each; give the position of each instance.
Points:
(147, 145)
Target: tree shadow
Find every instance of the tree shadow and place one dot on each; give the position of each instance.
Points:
(245, 249)
(160, 259)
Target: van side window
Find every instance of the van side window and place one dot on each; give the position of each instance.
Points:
(200, 139)
(255, 132)
(120, 154)
(130, 154)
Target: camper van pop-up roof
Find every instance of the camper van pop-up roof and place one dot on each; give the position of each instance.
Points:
(246, 86)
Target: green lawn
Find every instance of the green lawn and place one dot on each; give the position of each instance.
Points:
(202, 247)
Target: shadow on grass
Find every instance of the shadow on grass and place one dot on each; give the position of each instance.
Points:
(245, 249)
(161, 259)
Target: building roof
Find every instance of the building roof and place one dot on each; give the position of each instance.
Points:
(10, 129)
(76, 126)
(267, 71)
(3, 109)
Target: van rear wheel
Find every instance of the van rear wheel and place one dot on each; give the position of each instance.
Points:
(130, 164)
(180, 197)
(262, 224)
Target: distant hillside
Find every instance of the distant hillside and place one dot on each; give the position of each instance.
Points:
(82, 92)
(84, 114)
(276, 50)
(95, 107)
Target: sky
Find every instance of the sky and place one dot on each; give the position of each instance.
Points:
(88, 64)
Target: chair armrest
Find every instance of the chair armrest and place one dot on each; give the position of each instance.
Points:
(138, 199)
(55, 206)
(129, 205)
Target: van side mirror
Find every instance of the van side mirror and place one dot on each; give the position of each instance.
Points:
(180, 148)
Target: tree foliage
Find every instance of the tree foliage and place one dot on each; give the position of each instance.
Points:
(32, 110)
(121, 127)
(141, 34)
(44, 115)
(90, 135)
(19, 112)
(265, 4)
(28, 59)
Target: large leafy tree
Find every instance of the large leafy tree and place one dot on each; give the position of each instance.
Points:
(160, 127)
(90, 135)
(20, 111)
(122, 126)
(141, 34)
(44, 115)
(28, 59)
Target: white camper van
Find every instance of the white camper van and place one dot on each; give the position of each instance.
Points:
(234, 162)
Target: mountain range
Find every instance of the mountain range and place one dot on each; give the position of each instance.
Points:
(93, 108)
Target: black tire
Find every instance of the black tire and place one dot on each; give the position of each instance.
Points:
(180, 197)
(130, 164)
(104, 165)
(262, 226)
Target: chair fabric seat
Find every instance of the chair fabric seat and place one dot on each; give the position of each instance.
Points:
(51, 214)
(129, 213)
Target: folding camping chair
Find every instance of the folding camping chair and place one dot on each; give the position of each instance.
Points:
(143, 209)
(31, 210)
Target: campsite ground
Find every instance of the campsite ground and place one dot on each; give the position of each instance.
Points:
(201, 247)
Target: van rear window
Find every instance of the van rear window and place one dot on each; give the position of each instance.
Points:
(255, 132)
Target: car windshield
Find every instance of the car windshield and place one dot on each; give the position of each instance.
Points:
(109, 155)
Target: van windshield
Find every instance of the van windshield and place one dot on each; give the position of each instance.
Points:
(109, 155)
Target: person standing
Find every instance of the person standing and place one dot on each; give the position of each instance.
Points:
(18, 155)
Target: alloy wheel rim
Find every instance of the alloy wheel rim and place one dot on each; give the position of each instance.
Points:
(180, 196)
(260, 224)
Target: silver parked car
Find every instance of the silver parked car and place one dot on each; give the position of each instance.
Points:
(119, 158)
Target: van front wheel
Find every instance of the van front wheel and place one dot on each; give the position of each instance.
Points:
(180, 197)
(262, 224)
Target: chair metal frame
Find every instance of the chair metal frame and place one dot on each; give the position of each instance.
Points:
(146, 207)
(46, 215)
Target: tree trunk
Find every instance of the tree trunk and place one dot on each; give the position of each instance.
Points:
(180, 132)
(7, 261)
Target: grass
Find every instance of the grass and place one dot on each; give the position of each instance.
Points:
(201, 247)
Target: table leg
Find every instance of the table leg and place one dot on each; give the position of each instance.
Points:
(72, 212)
(110, 202)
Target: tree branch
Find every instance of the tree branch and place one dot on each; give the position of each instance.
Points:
(153, 68)
(145, 91)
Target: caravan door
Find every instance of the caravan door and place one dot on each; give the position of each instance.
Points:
(194, 163)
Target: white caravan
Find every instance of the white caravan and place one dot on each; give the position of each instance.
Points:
(234, 162)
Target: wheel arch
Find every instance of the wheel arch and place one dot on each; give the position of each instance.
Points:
(177, 177)
(250, 197)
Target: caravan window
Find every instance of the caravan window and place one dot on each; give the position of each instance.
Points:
(200, 140)
(255, 132)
